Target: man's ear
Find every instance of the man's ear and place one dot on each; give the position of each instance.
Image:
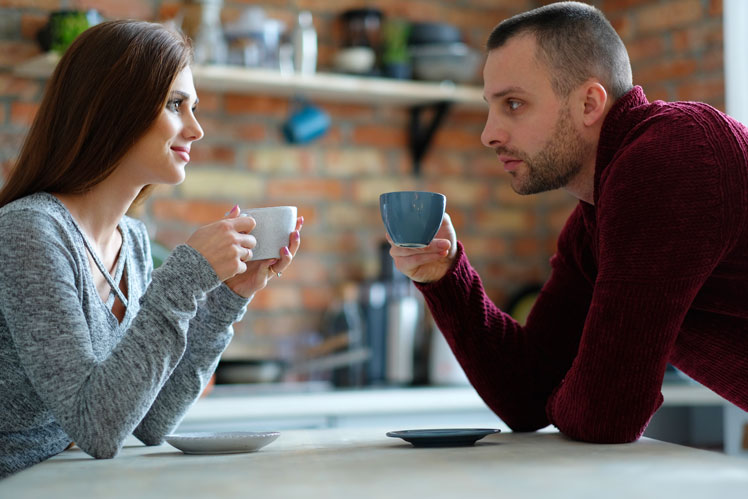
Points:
(595, 99)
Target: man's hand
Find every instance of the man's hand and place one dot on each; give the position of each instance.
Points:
(432, 262)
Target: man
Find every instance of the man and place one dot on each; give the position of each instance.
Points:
(651, 267)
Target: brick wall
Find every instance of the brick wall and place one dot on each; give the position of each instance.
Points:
(676, 51)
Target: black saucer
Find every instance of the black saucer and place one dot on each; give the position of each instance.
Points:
(455, 437)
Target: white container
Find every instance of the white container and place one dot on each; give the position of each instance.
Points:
(305, 44)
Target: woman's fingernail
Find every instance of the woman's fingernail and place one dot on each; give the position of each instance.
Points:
(296, 234)
(235, 207)
(286, 251)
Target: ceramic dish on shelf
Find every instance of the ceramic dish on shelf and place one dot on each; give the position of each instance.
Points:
(232, 442)
(452, 437)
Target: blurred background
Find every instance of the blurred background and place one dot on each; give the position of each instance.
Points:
(341, 313)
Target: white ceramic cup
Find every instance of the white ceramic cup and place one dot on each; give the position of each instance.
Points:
(273, 229)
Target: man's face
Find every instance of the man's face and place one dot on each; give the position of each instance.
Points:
(531, 129)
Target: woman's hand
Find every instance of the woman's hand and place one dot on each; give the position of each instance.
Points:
(432, 262)
(257, 273)
(226, 244)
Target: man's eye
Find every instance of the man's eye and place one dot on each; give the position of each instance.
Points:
(513, 105)
(173, 105)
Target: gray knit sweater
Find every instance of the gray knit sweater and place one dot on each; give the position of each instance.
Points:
(69, 371)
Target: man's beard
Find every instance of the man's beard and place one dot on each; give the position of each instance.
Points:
(557, 163)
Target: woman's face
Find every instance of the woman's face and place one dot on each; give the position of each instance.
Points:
(160, 156)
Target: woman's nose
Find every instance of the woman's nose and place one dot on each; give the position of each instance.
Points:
(192, 130)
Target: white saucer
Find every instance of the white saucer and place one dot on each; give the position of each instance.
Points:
(231, 442)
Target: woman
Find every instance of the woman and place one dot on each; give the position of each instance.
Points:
(95, 345)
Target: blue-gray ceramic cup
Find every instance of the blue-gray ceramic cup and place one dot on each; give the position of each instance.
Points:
(412, 218)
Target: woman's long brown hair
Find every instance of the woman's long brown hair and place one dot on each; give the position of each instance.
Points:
(106, 91)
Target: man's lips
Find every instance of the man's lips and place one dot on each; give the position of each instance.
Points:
(510, 163)
(182, 152)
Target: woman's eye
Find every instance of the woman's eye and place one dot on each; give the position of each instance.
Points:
(173, 105)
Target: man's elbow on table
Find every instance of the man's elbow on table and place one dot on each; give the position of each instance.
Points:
(601, 425)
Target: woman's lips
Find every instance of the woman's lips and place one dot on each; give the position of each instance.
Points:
(183, 153)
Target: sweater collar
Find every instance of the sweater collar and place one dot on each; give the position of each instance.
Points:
(621, 118)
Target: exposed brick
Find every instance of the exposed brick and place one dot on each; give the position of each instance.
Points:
(117, 9)
(22, 113)
(624, 26)
(380, 135)
(367, 190)
(210, 102)
(305, 189)
(22, 88)
(527, 246)
(171, 237)
(461, 191)
(229, 185)
(281, 160)
(203, 152)
(335, 182)
(317, 298)
(31, 24)
(666, 70)
(505, 220)
(36, 4)
(348, 215)
(654, 91)
(193, 212)
(712, 62)
(456, 138)
(255, 104)
(277, 296)
(699, 37)
(701, 90)
(13, 53)
(611, 6)
(482, 246)
(253, 132)
(307, 267)
(558, 217)
(354, 162)
(347, 111)
(441, 165)
(668, 15)
(643, 49)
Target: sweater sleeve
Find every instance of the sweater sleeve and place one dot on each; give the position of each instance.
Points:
(97, 400)
(663, 223)
(209, 333)
(513, 368)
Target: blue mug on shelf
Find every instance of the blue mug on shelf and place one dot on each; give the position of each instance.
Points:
(412, 218)
(305, 124)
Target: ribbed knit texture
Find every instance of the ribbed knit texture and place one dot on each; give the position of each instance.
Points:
(69, 371)
(656, 272)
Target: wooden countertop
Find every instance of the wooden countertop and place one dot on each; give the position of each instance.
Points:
(364, 463)
(232, 402)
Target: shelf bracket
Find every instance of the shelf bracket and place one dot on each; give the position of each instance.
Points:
(422, 134)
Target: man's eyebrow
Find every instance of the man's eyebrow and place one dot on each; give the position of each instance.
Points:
(508, 90)
(185, 95)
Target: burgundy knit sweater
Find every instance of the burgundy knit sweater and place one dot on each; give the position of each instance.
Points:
(655, 272)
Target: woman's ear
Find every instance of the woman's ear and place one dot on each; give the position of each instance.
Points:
(595, 99)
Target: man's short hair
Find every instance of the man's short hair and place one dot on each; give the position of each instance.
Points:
(576, 42)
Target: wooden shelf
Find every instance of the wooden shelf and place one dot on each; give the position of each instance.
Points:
(328, 87)
(323, 86)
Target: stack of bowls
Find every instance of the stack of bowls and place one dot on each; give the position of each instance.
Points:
(438, 53)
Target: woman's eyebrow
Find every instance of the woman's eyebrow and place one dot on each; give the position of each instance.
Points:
(185, 95)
